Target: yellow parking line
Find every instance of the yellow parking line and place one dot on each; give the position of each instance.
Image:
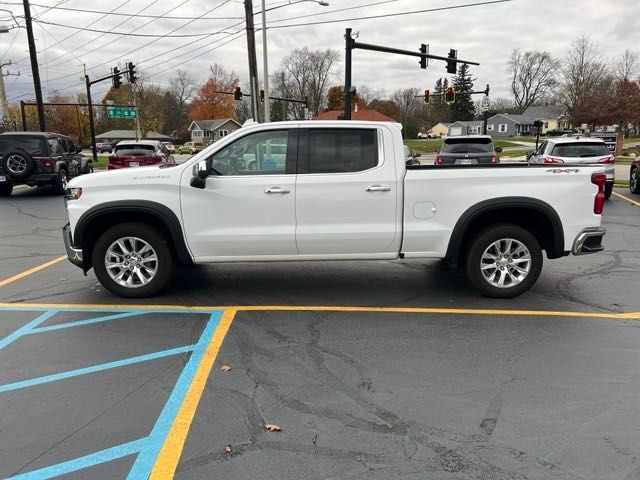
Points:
(329, 308)
(35, 269)
(633, 202)
(170, 452)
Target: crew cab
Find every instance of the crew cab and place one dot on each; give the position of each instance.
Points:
(342, 193)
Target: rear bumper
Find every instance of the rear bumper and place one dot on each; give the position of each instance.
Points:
(36, 179)
(589, 240)
(73, 254)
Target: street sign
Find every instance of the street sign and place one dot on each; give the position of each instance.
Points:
(122, 112)
(486, 103)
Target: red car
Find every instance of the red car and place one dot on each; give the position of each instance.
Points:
(141, 153)
(634, 176)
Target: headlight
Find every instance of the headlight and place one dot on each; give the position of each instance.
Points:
(73, 193)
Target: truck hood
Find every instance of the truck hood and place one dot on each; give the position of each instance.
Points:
(151, 174)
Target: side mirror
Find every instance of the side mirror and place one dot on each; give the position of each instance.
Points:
(498, 149)
(200, 174)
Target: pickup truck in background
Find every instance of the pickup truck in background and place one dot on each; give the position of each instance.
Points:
(343, 192)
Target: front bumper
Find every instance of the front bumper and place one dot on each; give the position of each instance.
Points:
(74, 254)
(589, 241)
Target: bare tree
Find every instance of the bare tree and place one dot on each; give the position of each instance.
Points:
(182, 87)
(412, 110)
(582, 74)
(533, 76)
(306, 74)
(628, 67)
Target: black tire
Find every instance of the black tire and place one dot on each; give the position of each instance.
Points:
(88, 168)
(142, 232)
(608, 189)
(483, 242)
(5, 189)
(18, 164)
(60, 182)
(634, 180)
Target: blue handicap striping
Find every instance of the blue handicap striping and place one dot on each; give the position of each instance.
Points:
(25, 329)
(147, 456)
(89, 321)
(93, 369)
(86, 461)
(147, 448)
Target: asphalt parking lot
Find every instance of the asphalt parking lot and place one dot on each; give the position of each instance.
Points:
(372, 370)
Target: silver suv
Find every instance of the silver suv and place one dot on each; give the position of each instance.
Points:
(577, 150)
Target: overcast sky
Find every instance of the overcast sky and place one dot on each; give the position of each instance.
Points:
(485, 34)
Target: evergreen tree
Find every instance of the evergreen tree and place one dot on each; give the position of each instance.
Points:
(440, 111)
(463, 108)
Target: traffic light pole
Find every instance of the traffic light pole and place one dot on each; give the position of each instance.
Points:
(351, 44)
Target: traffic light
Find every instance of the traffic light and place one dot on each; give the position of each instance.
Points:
(426, 96)
(449, 95)
(237, 94)
(451, 64)
(423, 60)
(132, 72)
(117, 78)
(261, 96)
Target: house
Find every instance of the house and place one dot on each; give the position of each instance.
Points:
(440, 129)
(464, 128)
(357, 114)
(553, 117)
(115, 136)
(508, 125)
(208, 131)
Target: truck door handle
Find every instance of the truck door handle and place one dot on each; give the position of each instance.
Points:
(378, 188)
(277, 190)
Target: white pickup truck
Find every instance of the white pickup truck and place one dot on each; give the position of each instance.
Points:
(332, 190)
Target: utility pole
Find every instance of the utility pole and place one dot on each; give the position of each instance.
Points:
(253, 64)
(3, 94)
(34, 64)
(265, 80)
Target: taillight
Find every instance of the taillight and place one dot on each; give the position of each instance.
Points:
(115, 159)
(47, 162)
(438, 159)
(607, 159)
(494, 159)
(599, 179)
(553, 160)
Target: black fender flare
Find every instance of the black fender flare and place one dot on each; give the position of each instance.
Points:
(456, 241)
(160, 212)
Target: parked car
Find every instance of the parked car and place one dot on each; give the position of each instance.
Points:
(191, 148)
(468, 150)
(577, 150)
(39, 158)
(170, 146)
(104, 147)
(344, 194)
(427, 135)
(634, 176)
(139, 154)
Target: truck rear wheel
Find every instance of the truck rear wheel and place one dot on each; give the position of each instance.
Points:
(132, 260)
(504, 261)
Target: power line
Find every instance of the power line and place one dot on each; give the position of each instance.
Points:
(100, 36)
(137, 15)
(397, 14)
(108, 32)
(329, 12)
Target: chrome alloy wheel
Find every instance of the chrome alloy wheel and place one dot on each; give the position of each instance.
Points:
(505, 263)
(16, 164)
(131, 262)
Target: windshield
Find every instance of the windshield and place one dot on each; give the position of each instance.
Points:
(580, 149)
(467, 145)
(135, 149)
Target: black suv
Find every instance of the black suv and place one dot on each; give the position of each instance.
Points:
(39, 158)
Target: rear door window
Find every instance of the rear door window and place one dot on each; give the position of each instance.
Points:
(135, 149)
(467, 145)
(580, 149)
(341, 150)
(56, 147)
(34, 146)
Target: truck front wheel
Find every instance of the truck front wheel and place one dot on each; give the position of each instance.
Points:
(504, 261)
(132, 260)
